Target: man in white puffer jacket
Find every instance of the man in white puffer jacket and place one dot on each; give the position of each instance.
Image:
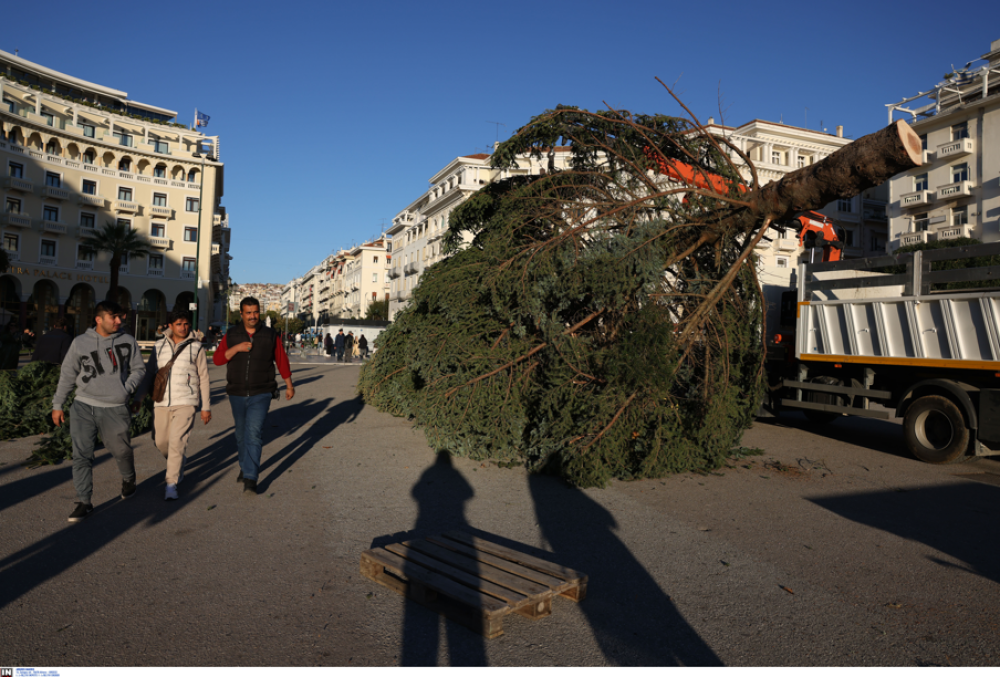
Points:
(187, 387)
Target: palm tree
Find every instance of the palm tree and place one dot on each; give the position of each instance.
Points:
(119, 239)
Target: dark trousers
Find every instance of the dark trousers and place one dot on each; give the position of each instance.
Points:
(85, 421)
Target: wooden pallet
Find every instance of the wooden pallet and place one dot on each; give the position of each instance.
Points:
(472, 581)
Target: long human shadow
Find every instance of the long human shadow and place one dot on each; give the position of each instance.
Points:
(633, 620)
(958, 520)
(39, 482)
(870, 433)
(441, 494)
(35, 564)
(315, 421)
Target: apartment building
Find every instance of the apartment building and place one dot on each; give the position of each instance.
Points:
(365, 278)
(955, 193)
(417, 231)
(77, 155)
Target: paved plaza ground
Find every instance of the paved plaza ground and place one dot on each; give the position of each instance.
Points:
(833, 548)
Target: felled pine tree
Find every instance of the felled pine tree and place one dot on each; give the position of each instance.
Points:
(605, 321)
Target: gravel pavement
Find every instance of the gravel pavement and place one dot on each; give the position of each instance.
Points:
(831, 548)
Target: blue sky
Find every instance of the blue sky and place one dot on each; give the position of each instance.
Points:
(333, 116)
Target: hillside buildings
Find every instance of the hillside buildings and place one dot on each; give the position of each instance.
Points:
(76, 155)
(955, 193)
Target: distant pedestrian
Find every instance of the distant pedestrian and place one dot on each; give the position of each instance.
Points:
(251, 351)
(339, 343)
(53, 346)
(11, 340)
(106, 367)
(349, 347)
(363, 345)
(187, 387)
(328, 345)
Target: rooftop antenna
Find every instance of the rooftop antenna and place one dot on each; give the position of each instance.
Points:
(498, 124)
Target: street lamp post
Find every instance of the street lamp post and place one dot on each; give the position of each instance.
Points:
(197, 240)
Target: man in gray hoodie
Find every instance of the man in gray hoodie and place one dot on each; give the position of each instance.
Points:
(106, 367)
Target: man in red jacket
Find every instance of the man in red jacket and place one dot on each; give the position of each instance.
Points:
(251, 350)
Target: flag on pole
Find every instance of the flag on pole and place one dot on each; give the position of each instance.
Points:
(200, 119)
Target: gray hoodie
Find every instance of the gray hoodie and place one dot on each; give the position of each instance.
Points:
(105, 370)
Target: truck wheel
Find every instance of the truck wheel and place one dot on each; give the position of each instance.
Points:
(935, 430)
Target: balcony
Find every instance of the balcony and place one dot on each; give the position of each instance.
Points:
(786, 244)
(918, 198)
(91, 200)
(47, 260)
(906, 239)
(216, 248)
(11, 183)
(85, 231)
(875, 215)
(126, 206)
(410, 268)
(163, 212)
(16, 220)
(12, 256)
(187, 274)
(956, 149)
(160, 242)
(55, 193)
(85, 265)
(155, 272)
(951, 232)
(953, 191)
(51, 227)
(393, 273)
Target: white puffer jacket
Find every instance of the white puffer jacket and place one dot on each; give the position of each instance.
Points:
(188, 383)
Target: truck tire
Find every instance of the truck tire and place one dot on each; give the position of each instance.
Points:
(935, 430)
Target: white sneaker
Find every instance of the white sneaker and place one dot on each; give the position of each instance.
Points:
(171, 494)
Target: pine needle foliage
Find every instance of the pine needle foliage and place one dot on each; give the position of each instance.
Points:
(602, 322)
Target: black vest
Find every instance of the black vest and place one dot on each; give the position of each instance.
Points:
(251, 373)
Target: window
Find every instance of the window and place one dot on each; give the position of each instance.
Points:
(775, 157)
(15, 170)
(920, 222)
(127, 223)
(50, 213)
(125, 194)
(190, 234)
(49, 120)
(125, 165)
(960, 216)
(52, 148)
(192, 175)
(156, 262)
(87, 220)
(159, 200)
(800, 161)
(13, 206)
(89, 187)
(160, 171)
(846, 236)
(188, 265)
(920, 182)
(876, 244)
(53, 180)
(48, 248)
(374, 277)
(158, 230)
(960, 131)
(123, 139)
(191, 204)
(88, 130)
(161, 147)
(83, 254)
(844, 206)
(10, 242)
(781, 261)
(11, 106)
(88, 157)
(923, 142)
(960, 172)
(376, 259)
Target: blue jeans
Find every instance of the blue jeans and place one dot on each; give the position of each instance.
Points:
(248, 416)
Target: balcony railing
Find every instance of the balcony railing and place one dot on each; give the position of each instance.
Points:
(160, 242)
(906, 239)
(91, 200)
(52, 227)
(12, 256)
(951, 232)
(155, 272)
(16, 220)
(12, 183)
(393, 273)
(953, 191)
(85, 265)
(918, 198)
(165, 212)
(786, 244)
(956, 148)
(187, 274)
(85, 231)
(47, 260)
(126, 206)
(55, 193)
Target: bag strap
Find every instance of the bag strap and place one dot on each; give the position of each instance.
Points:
(177, 353)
